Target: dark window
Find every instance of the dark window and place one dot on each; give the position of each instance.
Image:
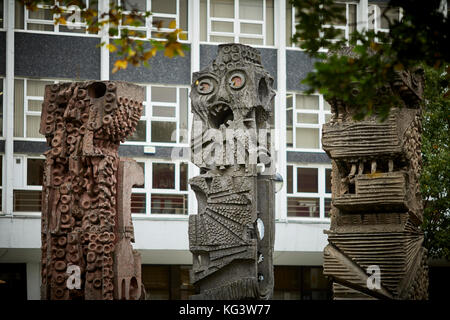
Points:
(307, 180)
(13, 281)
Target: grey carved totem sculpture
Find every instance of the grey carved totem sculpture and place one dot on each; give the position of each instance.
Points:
(232, 236)
(86, 220)
(375, 242)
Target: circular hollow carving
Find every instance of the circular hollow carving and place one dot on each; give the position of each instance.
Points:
(60, 278)
(107, 120)
(92, 246)
(60, 253)
(64, 209)
(108, 107)
(81, 94)
(92, 237)
(60, 265)
(237, 80)
(110, 97)
(51, 107)
(59, 292)
(90, 257)
(65, 218)
(111, 86)
(97, 283)
(62, 241)
(205, 85)
(106, 248)
(96, 90)
(50, 118)
(65, 198)
(48, 129)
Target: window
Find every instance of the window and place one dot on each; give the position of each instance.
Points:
(309, 191)
(2, 10)
(1, 107)
(43, 19)
(28, 175)
(345, 26)
(165, 119)
(165, 190)
(28, 98)
(1, 183)
(241, 21)
(305, 115)
(163, 13)
(380, 17)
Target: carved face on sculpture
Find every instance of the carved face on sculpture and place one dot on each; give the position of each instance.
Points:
(234, 91)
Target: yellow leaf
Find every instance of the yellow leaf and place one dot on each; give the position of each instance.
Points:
(111, 47)
(149, 54)
(183, 36)
(131, 52)
(173, 24)
(119, 64)
(168, 52)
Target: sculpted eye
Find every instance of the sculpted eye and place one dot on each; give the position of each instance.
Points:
(204, 86)
(237, 80)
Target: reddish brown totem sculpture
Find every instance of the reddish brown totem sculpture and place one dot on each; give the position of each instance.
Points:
(86, 221)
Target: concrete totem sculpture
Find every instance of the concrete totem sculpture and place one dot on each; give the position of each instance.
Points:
(86, 220)
(375, 243)
(231, 238)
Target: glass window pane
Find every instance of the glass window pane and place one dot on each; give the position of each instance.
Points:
(41, 14)
(169, 204)
(72, 30)
(220, 26)
(164, 94)
(290, 179)
(203, 19)
(184, 115)
(138, 203)
(221, 39)
(163, 111)
(328, 180)
(250, 41)
(140, 133)
(306, 102)
(251, 28)
(327, 207)
(303, 207)
(19, 11)
(390, 16)
(352, 16)
(288, 23)
(35, 172)
(35, 105)
(307, 180)
(327, 117)
(307, 118)
(326, 105)
(138, 5)
(289, 137)
(307, 138)
(33, 125)
(164, 131)
(27, 201)
(40, 27)
(36, 88)
(251, 9)
(183, 14)
(1, 171)
(183, 176)
(164, 6)
(269, 23)
(1, 108)
(222, 8)
(18, 108)
(163, 175)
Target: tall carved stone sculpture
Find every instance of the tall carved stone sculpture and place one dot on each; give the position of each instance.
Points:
(232, 236)
(86, 218)
(375, 243)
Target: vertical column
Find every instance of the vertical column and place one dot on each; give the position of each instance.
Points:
(103, 6)
(280, 108)
(194, 29)
(9, 112)
(363, 16)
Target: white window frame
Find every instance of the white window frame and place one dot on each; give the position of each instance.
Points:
(321, 117)
(148, 189)
(149, 28)
(24, 185)
(27, 20)
(346, 28)
(2, 82)
(377, 11)
(26, 112)
(148, 117)
(320, 194)
(236, 34)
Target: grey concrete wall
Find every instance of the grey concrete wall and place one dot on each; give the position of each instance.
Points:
(2, 53)
(162, 70)
(56, 56)
(268, 57)
(298, 65)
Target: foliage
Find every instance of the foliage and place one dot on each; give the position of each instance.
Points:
(420, 37)
(435, 178)
(130, 45)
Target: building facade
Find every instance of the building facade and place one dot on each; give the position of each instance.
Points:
(35, 52)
